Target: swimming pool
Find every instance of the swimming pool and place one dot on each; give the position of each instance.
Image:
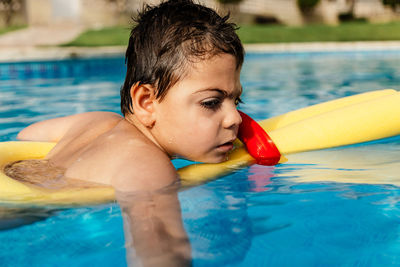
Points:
(291, 214)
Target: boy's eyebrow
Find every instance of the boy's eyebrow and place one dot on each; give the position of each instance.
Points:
(221, 91)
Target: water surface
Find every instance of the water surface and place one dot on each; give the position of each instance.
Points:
(322, 208)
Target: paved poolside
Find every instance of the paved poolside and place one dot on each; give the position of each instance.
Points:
(325, 46)
(40, 36)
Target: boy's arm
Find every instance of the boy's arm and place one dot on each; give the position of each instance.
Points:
(147, 191)
(154, 231)
(49, 130)
(54, 129)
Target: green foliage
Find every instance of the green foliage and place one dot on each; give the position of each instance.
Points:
(11, 28)
(346, 32)
(109, 36)
(229, 1)
(391, 3)
(305, 5)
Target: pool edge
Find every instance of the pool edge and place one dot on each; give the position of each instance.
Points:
(29, 53)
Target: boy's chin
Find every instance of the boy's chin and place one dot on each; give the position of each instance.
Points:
(207, 158)
(215, 159)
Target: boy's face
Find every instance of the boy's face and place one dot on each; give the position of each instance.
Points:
(198, 118)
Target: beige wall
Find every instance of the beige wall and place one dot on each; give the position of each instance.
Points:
(90, 13)
(373, 10)
(44, 12)
(285, 11)
(99, 13)
(38, 12)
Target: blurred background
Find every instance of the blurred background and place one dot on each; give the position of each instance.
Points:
(100, 13)
(107, 22)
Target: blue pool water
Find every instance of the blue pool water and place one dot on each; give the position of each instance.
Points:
(257, 216)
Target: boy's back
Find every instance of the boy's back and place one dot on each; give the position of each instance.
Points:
(98, 147)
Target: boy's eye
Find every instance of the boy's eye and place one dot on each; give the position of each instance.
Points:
(213, 104)
(238, 101)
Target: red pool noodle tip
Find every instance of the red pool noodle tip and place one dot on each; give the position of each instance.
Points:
(258, 143)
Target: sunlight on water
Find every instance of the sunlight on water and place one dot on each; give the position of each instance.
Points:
(371, 164)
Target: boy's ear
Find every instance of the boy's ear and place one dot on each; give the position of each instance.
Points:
(143, 98)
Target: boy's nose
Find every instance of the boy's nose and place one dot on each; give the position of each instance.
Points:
(232, 119)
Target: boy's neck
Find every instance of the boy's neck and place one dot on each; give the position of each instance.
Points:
(132, 120)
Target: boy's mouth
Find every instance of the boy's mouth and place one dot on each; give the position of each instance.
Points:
(226, 147)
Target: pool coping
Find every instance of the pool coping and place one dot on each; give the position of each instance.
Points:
(30, 53)
(324, 47)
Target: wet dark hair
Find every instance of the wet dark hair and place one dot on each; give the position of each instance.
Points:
(170, 36)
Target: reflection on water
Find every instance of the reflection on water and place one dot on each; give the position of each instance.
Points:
(12, 217)
(153, 227)
(217, 223)
(258, 216)
(370, 164)
(71, 237)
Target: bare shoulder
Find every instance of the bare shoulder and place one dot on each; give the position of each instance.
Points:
(143, 167)
(92, 120)
(96, 115)
(54, 129)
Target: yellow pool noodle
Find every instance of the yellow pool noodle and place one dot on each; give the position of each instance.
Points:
(13, 191)
(361, 164)
(314, 110)
(359, 118)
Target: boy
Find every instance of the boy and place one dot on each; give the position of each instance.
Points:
(179, 98)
